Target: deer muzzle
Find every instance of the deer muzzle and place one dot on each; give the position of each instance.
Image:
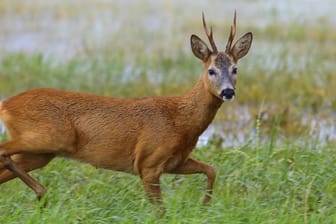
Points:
(227, 94)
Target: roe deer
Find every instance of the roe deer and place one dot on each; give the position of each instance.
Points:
(146, 136)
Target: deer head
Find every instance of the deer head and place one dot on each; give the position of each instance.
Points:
(221, 67)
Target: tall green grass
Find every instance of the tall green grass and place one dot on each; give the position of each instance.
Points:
(284, 184)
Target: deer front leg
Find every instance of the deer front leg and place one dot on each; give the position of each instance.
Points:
(192, 166)
(151, 183)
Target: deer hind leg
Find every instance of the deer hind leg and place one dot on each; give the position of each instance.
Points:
(192, 166)
(25, 162)
(16, 146)
(34, 144)
(28, 180)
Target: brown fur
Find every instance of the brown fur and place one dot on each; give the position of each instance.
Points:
(223, 61)
(146, 136)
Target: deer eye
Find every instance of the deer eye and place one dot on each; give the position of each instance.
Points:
(211, 72)
(234, 70)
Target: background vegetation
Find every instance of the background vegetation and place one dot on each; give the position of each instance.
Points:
(273, 147)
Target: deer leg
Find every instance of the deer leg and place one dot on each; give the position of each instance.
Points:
(26, 162)
(21, 145)
(192, 166)
(151, 183)
(28, 180)
(16, 146)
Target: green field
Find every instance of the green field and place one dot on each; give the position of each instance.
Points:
(274, 147)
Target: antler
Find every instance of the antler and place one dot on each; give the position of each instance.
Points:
(232, 35)
(210, 35)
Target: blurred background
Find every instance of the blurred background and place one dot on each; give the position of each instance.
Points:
(286, 84)
(278, 135)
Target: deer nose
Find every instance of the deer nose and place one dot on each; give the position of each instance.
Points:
(227, 94)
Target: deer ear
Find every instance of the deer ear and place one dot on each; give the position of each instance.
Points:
(199, 48)
(242, 46)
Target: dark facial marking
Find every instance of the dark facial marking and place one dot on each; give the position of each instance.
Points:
(222, 61)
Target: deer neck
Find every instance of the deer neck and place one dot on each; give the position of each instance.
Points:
(200, 106)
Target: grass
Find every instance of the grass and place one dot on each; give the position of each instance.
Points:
(282, 184)
(274, 147)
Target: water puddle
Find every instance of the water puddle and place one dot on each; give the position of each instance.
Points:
(318, 128)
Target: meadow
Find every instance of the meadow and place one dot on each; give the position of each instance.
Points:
(274, 147)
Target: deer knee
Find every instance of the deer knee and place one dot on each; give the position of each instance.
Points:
(151, 183)
(211, 172)
(150, 176)
(211, 175)
(5, 161)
